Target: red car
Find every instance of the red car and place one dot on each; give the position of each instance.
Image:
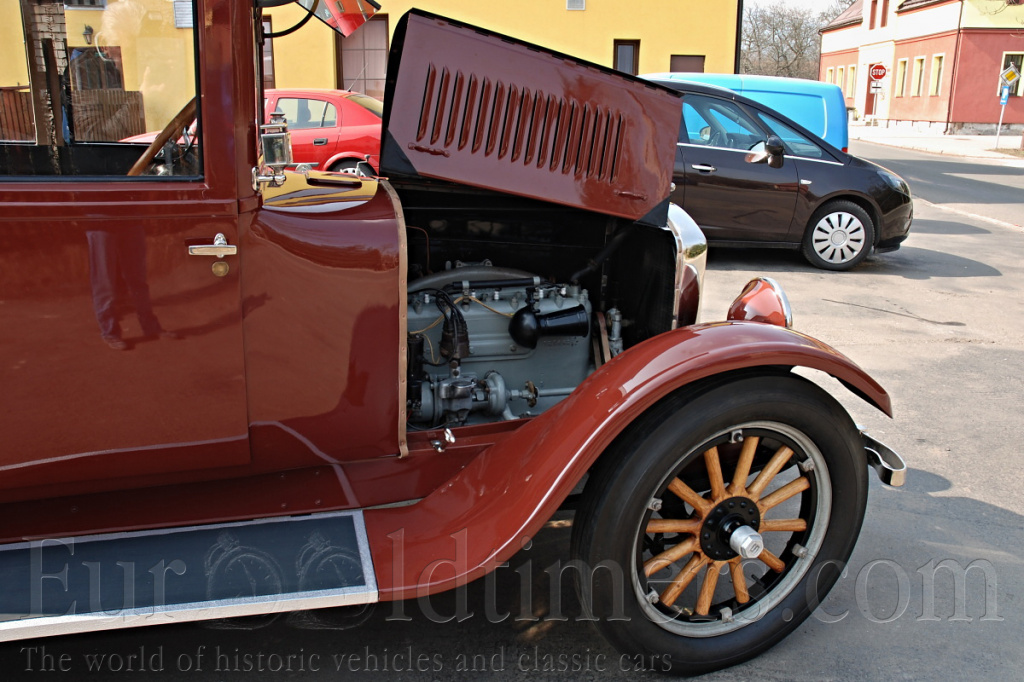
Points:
(333, 130)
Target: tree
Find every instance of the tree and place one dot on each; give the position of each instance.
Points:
(782, 40)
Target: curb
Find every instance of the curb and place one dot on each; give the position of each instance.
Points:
(994, 156)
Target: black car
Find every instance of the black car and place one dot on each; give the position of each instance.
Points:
(749, 176)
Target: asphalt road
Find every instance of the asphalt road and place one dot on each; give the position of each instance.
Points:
(972, 187)
(934, 588)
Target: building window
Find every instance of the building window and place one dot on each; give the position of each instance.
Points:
(576, 4)
(901, 78)
(874, 11)
(851, 80)
(1017, 59)
(693, 63)
(268, 55)
(363, 62)
(935, 84)
(627, 56)
(841, 78)
(830, 75)
(884, 18)
(95, 68)
(917, 78)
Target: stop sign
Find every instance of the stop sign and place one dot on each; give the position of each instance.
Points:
(877, 72)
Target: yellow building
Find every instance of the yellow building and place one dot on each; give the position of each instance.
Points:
(137, 56)
(653, 36)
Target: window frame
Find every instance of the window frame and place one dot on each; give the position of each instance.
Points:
(935, 77)
(635, 44)
(1019, 87)
(917, 78)
(900, 81)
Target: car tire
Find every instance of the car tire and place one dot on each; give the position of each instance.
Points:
(625, 522)
(839, 236)
(353, 167)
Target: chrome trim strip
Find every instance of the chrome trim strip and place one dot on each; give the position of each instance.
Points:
(808, 158)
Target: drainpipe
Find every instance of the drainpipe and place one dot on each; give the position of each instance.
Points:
(956, 64)
(739, 35)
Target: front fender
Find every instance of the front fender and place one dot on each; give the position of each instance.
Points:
(488, 511)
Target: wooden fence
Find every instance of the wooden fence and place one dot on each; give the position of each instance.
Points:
(16, 115)
(99, 115)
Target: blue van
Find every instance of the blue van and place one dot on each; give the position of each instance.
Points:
(819, 107)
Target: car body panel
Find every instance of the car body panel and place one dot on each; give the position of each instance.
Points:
(493, 506)
(522, 120)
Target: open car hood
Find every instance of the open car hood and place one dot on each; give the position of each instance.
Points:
(473, 107)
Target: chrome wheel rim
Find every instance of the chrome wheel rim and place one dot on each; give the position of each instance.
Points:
(683, 590)
(839, 237)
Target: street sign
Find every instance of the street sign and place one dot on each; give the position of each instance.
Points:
(876, 86)
(1004, 95)
(1010, 75)
(877, 72)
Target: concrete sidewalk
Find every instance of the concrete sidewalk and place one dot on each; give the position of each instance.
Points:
(976, 146)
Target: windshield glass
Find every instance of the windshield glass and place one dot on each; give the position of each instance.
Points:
(372, 105)
(344, 16)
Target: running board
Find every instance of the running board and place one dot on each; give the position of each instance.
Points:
(175, 575)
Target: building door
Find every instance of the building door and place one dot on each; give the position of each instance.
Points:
(362, 63)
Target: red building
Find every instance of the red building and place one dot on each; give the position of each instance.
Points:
(942, 59)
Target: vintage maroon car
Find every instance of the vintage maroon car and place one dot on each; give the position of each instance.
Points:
(232, 389)
(332, 130)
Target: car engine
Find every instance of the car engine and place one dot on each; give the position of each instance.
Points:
(489, 343)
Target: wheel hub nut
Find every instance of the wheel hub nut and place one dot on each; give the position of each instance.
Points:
(746, 542)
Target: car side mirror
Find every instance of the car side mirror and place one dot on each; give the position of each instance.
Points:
(776, 151)
(771, 151)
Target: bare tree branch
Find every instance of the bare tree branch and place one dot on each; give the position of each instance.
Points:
(781, 40)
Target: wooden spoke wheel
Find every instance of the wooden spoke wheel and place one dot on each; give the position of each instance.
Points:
(720, 520)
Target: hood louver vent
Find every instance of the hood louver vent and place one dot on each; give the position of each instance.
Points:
(467, 113)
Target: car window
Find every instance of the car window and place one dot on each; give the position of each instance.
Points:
(719, 123)
(77, 103)
(371, 104)
(302, 113)
(796, 143)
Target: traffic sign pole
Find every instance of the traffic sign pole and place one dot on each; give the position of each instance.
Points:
(1007, 78)
(1004, 96)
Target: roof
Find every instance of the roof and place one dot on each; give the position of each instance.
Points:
(853, 15)
(914, 4)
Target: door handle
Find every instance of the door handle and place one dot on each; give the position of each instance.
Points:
(218, 248)
(320, 141)
(703, 168)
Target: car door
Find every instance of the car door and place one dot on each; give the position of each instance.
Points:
(313, 124)
(728, 197)
(821, 172)
(120, 335)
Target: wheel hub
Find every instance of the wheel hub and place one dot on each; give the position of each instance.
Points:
(725, 519)
(839, 237)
